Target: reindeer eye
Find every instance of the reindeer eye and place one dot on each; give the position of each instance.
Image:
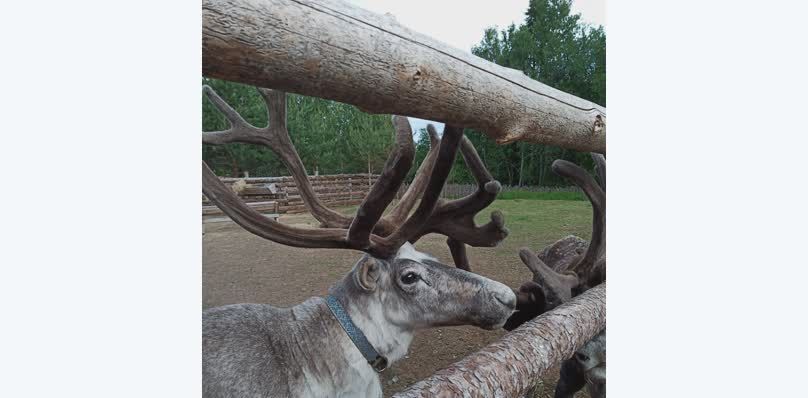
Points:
(409, 278)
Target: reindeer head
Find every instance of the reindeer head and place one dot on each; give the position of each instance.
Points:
(413, 289)
(416, 291)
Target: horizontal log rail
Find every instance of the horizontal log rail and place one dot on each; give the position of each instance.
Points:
(261, 207)
(510, 366)
(332, 49)
(313, 178)
(280, 195)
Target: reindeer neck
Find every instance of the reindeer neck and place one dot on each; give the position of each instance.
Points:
(369, 315)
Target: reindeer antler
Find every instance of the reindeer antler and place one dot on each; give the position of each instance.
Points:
(368, 231)
(455, 218)
(276, 137)
(571, 271)
(597, 197)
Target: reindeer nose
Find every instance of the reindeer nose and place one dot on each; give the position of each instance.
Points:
(507, 298)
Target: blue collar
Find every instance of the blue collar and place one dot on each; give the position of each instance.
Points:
(376, 361)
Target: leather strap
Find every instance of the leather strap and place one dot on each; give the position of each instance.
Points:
(376, 361)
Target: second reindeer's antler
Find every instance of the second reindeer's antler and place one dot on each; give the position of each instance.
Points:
(565, 269)
(368, 231)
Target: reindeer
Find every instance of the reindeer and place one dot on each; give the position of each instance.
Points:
(334, 346)
(565, 269)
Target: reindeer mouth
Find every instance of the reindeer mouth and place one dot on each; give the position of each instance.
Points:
(503, 308)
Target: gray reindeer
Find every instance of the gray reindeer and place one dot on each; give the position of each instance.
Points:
(334, 346)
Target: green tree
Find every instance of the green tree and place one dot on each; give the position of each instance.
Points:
(330, 137)
(556, 48)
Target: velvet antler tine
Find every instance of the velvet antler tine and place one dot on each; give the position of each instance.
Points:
(547, 290)
(227, 111)
(416, 188)
(386, 187)
(580, 177)
(464, 230)
(281, 144)
(600, 169)
(239, 131)
(598, 273)
(456, 218)
(470, 204)
(597, 198)
(474, 162)
(437, 178)
(556, 286)
(487, 190)
(275, 101)
(434, 140)
(458, 250)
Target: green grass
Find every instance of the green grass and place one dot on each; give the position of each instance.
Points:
(537, 223)
(526, 195)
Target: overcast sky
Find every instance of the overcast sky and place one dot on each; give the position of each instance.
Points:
(461, 23)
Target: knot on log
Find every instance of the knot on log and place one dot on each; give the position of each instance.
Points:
(600, 124)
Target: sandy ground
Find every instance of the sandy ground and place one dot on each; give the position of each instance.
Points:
(239, 267)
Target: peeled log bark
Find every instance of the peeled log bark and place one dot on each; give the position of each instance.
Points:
(510, 366)
(334, 50)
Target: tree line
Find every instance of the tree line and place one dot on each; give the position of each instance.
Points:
(552, 46)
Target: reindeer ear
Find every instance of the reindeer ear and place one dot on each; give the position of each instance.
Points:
(366, 273)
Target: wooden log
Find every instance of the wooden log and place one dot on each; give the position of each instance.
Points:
(329, 190)
(208, 220)
(354, 194)
(253, 199)
(263, 186)
(257, 206)
(335, 50)
(509, 366)
(302, 209)
(324, 177)
(253, 191)
(286, 187)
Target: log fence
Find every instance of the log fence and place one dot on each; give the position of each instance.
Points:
(279, 195)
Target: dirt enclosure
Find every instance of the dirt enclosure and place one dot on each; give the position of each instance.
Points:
(239, 267)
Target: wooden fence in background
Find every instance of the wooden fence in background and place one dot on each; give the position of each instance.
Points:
(454, 191)
(280, 195)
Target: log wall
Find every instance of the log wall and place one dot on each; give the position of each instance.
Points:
(280, 195)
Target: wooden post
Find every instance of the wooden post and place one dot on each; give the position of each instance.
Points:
(334, 50)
